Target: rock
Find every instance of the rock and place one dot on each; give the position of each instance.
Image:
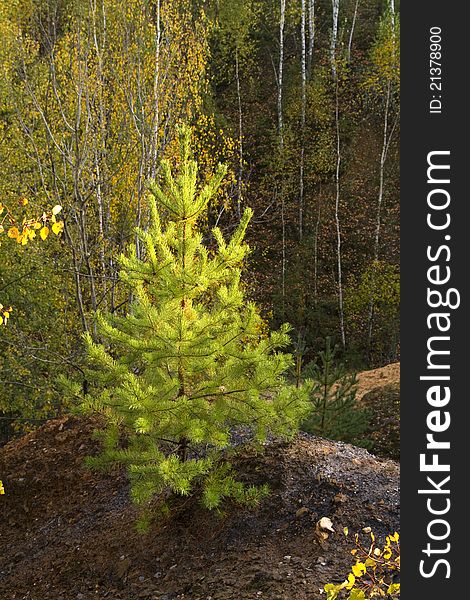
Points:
(323, 528)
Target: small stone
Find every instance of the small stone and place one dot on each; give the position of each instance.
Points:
(158, 574)
(287, 558)
(366, 529)
(80, 596)
(141, 578)
(301, 512)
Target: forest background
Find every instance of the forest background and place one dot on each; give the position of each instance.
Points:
(300, 98)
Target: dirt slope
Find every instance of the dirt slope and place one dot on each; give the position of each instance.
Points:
(377, 378)
(69, 534)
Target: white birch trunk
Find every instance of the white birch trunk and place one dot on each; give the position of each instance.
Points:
(240, 135)
(281, 74)
(281, 142)
(351, 33)
(311, 33)
(386, 139)
(334, 37)
(156, 98)
(303, 68)
(338, 222)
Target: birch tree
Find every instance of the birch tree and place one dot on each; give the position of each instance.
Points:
(280, 121)
(303, 73)
(334, 36)
(311, 33)
(337, 218)
(384, 82)
(351, 32)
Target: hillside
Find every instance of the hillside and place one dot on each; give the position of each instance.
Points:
(68, 533)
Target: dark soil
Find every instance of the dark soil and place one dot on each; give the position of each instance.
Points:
(384, 405)
(69, 534)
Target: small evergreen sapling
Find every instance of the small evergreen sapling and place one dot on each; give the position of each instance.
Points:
(190, 360)
(335, 414)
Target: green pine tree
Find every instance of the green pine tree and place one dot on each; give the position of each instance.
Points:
(190, 360)
(335, 414)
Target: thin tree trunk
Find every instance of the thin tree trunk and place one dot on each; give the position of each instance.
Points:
(337, 221)
(311, 33)
(334, 37)
(351, 33)
(315, 250)
(240, 135)
(387, 136)
(99, 139)
(156, 98)
(281, 74)
(281, 144)
(303, 68)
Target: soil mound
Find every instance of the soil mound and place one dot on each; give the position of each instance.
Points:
(377, 378)
(69, 534)
(379, 392)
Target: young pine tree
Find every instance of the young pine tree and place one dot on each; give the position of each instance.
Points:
(335, 414)
(190, 360)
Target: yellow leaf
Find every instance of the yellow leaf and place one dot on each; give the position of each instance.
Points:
(44, 233)
(350, 582)
(346, 531)
(357, 594)
(37, 225)
(56, 210)
(2, 489)
(2, 229)
(13, 233)
(58, 227)
(393, 588)
(359, 569)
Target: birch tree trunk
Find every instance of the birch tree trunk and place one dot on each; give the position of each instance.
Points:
(240, 135)
(281, 144)
(156, 97)
(303, 68)
(311, 33)
(351, 33)
(280, 120)
(338, 222)
(334, 37)
(386, 140)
